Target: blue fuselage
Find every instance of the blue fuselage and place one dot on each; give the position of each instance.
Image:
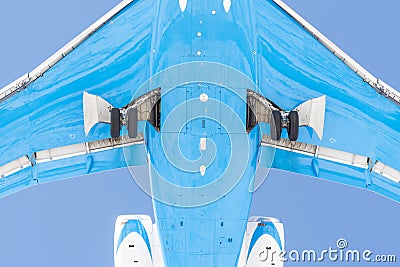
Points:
(202, 195)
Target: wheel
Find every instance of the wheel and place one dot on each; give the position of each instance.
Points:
(115, 129)
(276, 125)
(132, 123)
(293, 125)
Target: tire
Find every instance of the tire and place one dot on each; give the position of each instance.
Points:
(115, 129)
(132, 123)
(276, 125)
(293, 125)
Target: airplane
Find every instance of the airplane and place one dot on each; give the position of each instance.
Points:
(248, 85)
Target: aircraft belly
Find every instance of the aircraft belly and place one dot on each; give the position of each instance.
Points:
(202, 216)
(202, 162)
(210, 234)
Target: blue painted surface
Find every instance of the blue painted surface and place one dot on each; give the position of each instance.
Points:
(255, 37)
(203, 211)
(134, 226)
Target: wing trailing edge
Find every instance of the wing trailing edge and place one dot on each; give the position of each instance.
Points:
(71, 161)
(333, 165)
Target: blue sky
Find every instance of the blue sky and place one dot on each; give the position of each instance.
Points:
(70, 223)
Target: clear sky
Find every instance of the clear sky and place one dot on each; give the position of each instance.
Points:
(71, 223)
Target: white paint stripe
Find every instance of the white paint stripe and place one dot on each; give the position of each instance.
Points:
(183, 5)
(227, 5)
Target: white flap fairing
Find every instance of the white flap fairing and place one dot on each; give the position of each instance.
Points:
(312, 114)
(95, 110)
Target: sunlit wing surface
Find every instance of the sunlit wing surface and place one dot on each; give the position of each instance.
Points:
(362, 113)
(43, 110)
(42, 115)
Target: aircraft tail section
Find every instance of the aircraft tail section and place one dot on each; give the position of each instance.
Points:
(263, 243)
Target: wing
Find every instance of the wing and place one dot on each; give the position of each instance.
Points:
(42, 126)
(331, 164)
(361, 140)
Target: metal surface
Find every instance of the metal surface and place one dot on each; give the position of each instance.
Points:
(260, 40)
(387, 171)
(66, 152)
(14, 166)
(261, 106)
(145, 104)
(312, 114)
(95, 110)
(330, 154)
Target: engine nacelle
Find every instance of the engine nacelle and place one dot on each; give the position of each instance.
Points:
(263, 243)
(136, 242)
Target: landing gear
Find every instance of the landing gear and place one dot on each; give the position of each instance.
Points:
(293, 125)
(276, 125)
(288, 120)
(132, 123)
(144, 108)
(268, 112)
(115, 129)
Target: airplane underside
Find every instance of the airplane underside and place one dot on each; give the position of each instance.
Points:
(137, 243)
(202, 142)
(194, 97)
